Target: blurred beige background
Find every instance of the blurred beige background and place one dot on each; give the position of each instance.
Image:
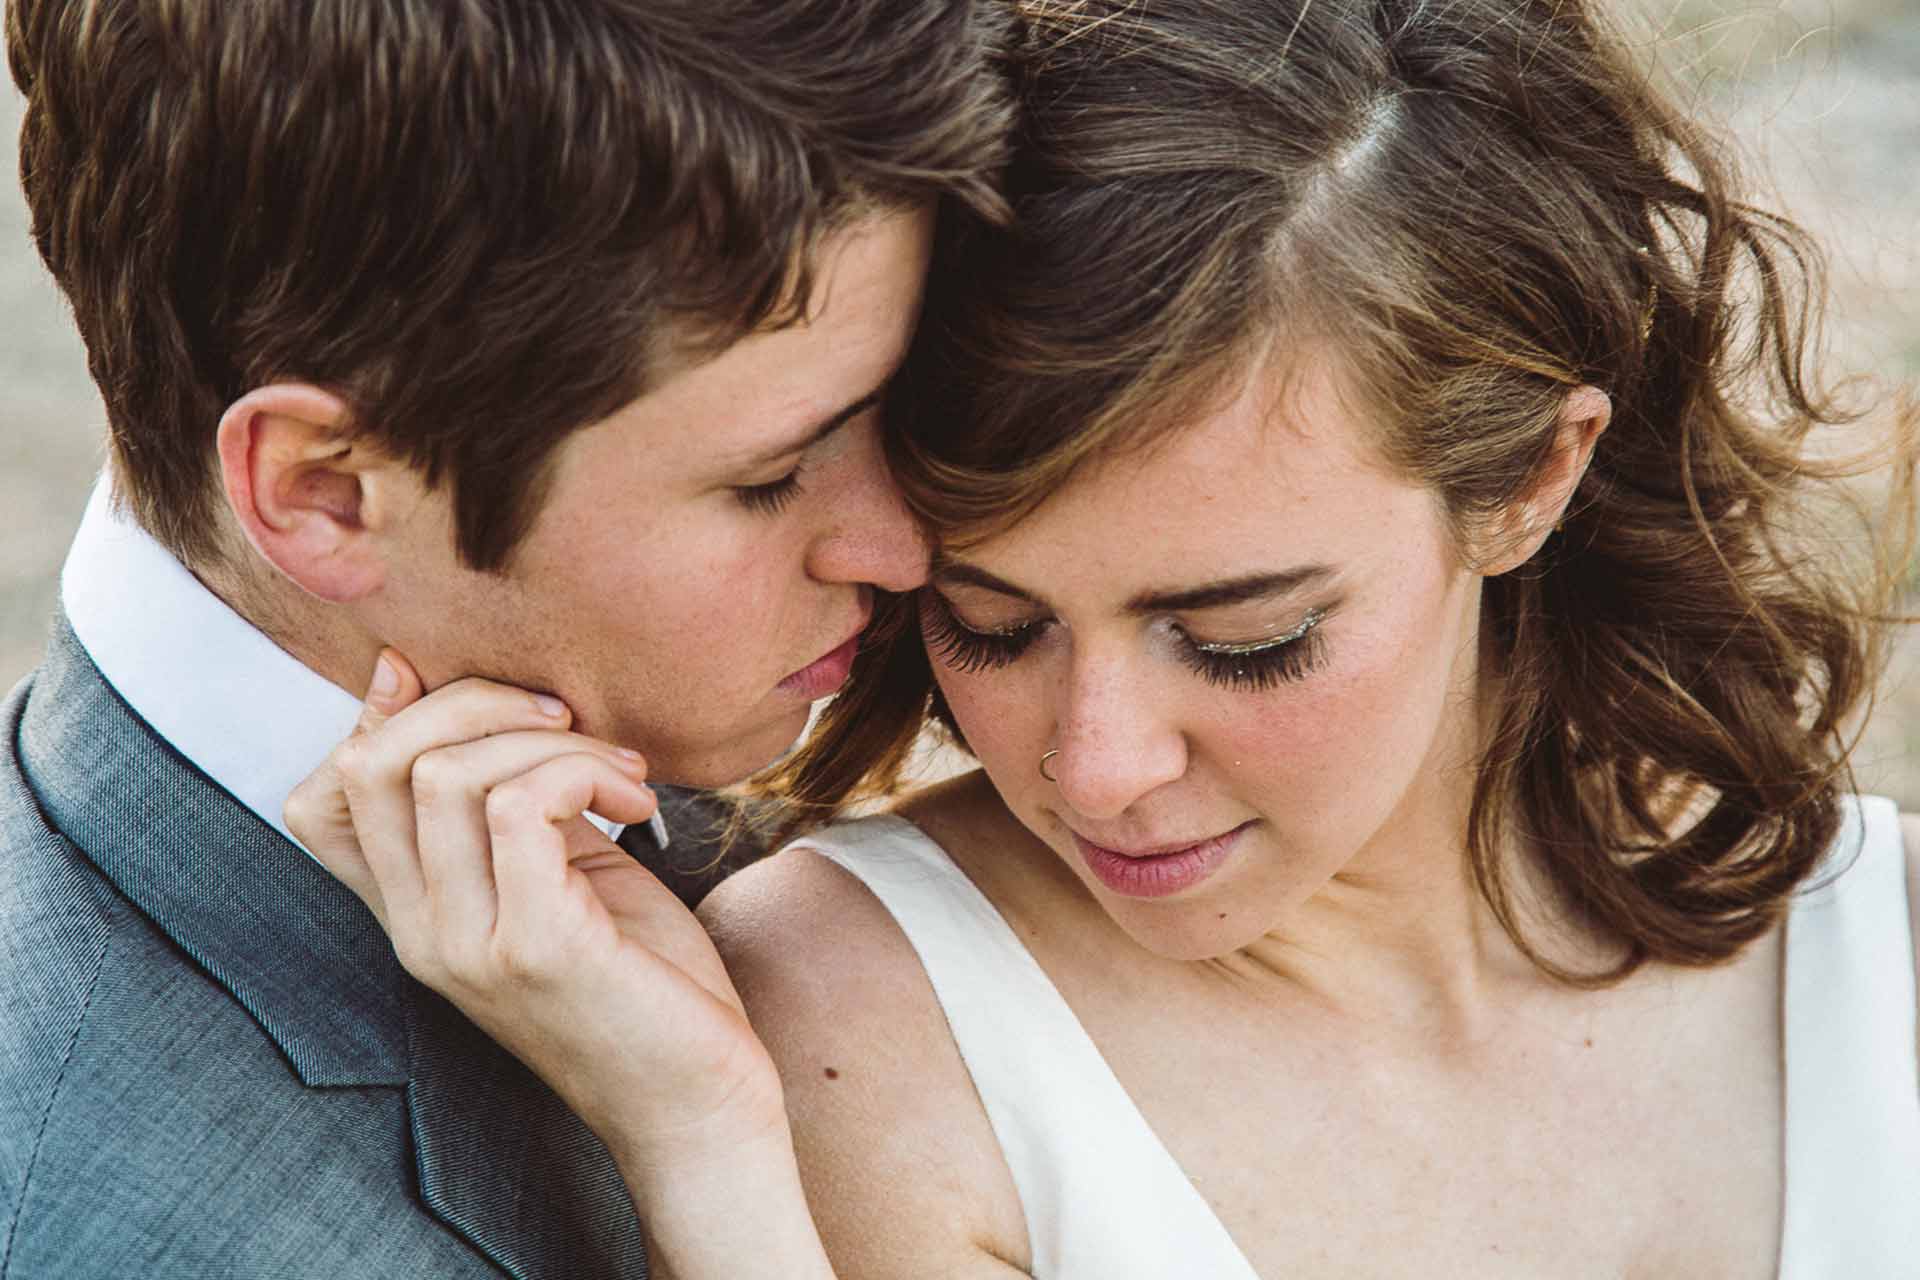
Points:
(1822, 95)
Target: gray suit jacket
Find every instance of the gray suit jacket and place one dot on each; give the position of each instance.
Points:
(210, 1062)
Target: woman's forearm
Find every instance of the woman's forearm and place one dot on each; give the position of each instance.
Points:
(735, 1211)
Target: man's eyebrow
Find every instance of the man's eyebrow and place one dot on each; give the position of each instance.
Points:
(838, 419)
(1208, 595)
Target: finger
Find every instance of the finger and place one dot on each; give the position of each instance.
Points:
(401, 726)
(316, 814)
(376, 771)
(450, 789)
(585, 840)
(316, 811)
(540, 894)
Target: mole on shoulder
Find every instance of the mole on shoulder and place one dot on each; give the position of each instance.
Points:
(832, 1074)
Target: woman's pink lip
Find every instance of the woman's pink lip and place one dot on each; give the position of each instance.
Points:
(1157, 875)
(826, 673)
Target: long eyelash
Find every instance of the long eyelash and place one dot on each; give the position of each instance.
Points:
(963, 648)
(1264, 667)
(1257, 672)
(770, 499)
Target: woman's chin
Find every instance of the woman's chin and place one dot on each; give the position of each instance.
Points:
(1187, 931)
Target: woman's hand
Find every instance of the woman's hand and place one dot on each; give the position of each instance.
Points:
(458, 819)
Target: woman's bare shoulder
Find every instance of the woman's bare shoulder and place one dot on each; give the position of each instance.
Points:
(901, 1164)
(815, 955)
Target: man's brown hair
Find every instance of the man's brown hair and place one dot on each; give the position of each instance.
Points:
(477, 221)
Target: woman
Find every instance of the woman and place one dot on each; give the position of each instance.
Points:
(1410, 836)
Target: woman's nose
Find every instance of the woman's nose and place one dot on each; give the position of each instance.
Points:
(1115, 745)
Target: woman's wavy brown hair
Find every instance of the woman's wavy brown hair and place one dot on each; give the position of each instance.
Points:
(1482, 204)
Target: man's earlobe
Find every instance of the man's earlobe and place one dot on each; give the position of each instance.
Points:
(297, 486)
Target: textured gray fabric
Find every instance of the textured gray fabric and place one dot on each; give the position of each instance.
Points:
(210, 1063)
(700, 853)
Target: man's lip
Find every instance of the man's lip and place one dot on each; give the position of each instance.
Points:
(802, 675)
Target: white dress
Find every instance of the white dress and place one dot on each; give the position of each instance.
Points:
(1104, 1200)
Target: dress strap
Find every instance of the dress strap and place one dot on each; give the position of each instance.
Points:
(1852, 1070)
(1104, 1199)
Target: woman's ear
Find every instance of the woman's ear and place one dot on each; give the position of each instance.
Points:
(1584, 414)
(299, 488)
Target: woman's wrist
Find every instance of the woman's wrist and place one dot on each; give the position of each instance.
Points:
(727, 1202)
(656, 1141)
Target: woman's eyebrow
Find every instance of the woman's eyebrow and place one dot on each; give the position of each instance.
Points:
(1226, 591)
(960, 573)
(1208, 595)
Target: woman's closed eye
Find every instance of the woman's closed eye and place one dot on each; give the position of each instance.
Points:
(1261, 664)
(1252, 666)
(964, 648)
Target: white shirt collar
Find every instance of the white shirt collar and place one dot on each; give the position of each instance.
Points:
(247, 713)
(244, 711)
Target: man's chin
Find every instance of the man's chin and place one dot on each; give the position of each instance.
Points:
(723, 762)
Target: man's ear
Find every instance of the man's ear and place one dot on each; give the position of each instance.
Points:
(1584, 415)
(299, 488)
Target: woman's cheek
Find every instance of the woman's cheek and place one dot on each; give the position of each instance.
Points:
(976, 699)
(1338, 719)
(1002, 721)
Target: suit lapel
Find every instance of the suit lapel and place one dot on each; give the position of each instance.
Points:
(540, 1195)
(501, 1160)
(293, 946)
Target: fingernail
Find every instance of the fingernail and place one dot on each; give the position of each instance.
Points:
(549, 705)
(386, 679)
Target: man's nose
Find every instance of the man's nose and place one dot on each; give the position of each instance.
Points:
(869, 535)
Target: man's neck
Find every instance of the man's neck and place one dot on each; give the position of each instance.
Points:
(325, 638)
(252, 712)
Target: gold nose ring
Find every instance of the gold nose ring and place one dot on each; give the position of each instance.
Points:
(1043, 765)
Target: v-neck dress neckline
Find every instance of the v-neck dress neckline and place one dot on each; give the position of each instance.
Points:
(1105, 1199)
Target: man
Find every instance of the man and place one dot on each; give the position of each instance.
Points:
(538, 341)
